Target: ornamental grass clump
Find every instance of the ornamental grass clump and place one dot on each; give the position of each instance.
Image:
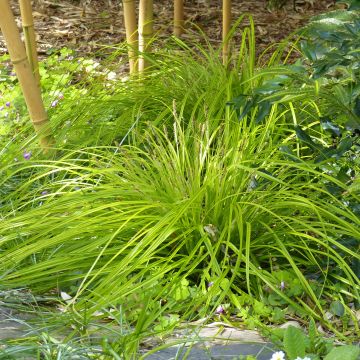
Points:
(193, 196)
(196, 203)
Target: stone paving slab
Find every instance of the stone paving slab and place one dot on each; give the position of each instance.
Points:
(9, 327)
(217, 352)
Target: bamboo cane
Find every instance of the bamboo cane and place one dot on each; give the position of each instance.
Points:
(23, 71)
(145, 30)
(131, 32)
(178, 17)
(226, 29)
(29, 34)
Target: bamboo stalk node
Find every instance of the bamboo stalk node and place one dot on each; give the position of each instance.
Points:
(148, 34)
(30, 37)
(38, 122)
(25, 73)
(28, 24)
(19, 61)
(145, 31)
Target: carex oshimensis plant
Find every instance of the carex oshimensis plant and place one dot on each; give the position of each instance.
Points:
(191, 203)
(194, 197)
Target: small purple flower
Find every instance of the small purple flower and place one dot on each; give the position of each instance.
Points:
(282, 285)
(61, 96)
(220, 310)
(54, 103)
(2, 108)
(27, 155)
(8, 104)
(210, 284)
(44, 192)
(12, 73)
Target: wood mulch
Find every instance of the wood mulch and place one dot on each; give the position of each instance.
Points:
(88, 25)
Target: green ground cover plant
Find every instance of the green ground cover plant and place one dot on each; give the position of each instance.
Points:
(299, 345)
(194, 192)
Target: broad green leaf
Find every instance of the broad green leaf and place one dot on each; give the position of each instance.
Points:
(278, 314)
(182, 291)
(294, 342)
(263, 110)
(337, 308)
(261, 309)
(275, 300)
(347, 352)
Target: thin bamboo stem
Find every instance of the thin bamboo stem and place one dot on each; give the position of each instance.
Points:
(30, 39)
(24, 73)
(226, 30)
(131, 32)
(178, 17)
(145, 31)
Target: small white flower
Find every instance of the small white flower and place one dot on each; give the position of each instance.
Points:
(305, 358)
(279, 355)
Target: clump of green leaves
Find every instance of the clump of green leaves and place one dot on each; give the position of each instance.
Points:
(311, 345)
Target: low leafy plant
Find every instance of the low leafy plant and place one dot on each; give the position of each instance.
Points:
(313, 346)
